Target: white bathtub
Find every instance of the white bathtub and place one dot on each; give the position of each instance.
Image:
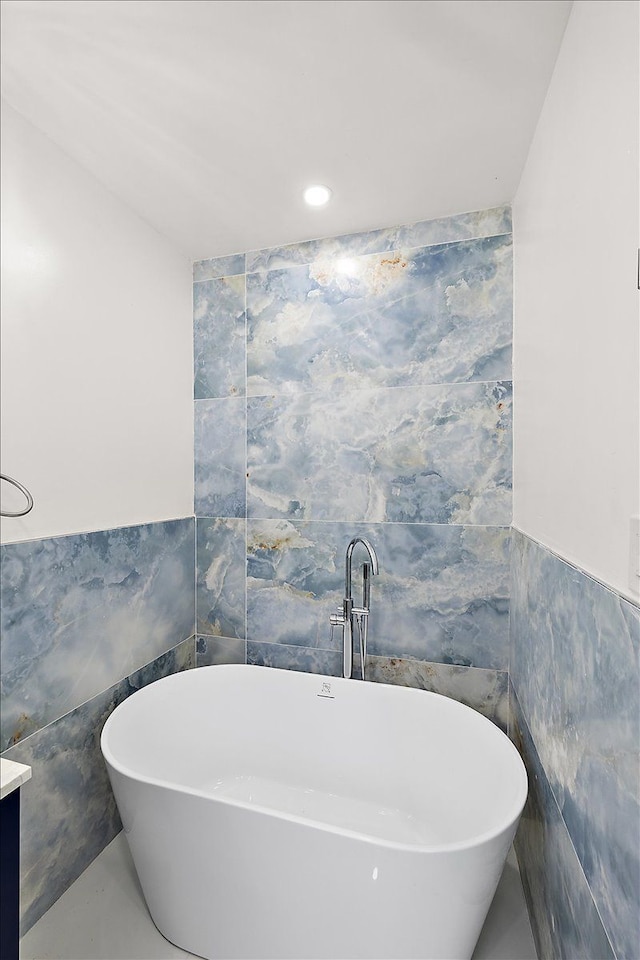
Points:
(273, 814)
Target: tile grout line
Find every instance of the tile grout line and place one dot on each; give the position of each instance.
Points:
(349, 391)
(100, 693)
(97, 530)
(340, 254)
(564, 822)
(569, 563)
(474, 235)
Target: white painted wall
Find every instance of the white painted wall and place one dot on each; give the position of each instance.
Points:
(576, 365)
(96, 350)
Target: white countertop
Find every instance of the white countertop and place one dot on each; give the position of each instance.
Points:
(12, 776)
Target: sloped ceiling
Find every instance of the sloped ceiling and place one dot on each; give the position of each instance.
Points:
(208, 117)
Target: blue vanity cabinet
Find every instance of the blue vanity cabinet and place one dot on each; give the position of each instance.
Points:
(13, 776)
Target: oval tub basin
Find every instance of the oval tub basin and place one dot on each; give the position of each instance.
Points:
(275, 814)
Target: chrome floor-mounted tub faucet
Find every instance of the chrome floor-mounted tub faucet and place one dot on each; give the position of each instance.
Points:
(354, 619)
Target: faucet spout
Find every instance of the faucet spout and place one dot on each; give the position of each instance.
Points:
(372, 558)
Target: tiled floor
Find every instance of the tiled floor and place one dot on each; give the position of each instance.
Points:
(103, 916)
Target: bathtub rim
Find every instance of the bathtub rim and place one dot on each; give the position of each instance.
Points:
(420, 848)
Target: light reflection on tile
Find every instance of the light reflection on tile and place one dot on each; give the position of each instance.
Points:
(464, 226)
(81, 612)
(438, 314)
(68, 810)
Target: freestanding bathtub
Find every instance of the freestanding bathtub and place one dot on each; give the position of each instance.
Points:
(273, 814)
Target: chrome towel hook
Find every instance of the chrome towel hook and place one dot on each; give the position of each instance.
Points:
(19, 513)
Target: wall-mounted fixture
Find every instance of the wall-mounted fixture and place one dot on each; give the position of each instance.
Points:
(29, 506)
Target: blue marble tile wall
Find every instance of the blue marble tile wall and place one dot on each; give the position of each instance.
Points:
(576, 699)
(86, 619)
(359, 385)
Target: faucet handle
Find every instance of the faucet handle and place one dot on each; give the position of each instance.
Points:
(336, 620)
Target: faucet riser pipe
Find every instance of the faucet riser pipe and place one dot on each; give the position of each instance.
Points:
(347, 656)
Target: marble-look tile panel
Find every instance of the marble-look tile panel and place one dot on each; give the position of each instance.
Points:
(80, 612)
(219, 338)
(219, 267)
(437, 454)
(220, 466)
(305, 659)
(221, 577)
(438, 314)
(484, 690)
(441, 594)
(564, 918)
(575, 668)
(213, 650)
(68, 811)
(463, 226)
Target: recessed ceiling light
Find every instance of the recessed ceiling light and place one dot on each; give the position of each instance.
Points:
(317, 195)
